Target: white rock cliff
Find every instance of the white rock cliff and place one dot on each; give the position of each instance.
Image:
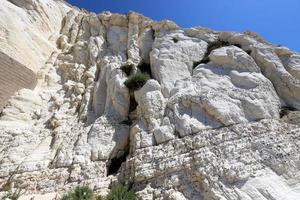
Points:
(217, 120)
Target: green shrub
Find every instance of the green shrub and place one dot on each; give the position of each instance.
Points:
(120, 192)
(136, 81)
(80, 193)
(127, 69)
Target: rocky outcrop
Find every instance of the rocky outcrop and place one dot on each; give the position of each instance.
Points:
(217, 119)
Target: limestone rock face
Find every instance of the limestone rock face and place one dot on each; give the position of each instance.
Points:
(172, 57)
(28, 34)
(217, 119)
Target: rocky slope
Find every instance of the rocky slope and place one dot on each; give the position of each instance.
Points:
(218, 118)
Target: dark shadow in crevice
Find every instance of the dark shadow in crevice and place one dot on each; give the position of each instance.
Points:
(127, 69)
(133, 104)
(146, 69)
(196, 63)
(249, 52)
(115, 163)
(285, 111)
(127, 122)
(175, 40)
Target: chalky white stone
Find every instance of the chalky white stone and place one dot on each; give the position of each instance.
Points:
(196, 130)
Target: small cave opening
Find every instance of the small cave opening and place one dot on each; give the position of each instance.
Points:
(115, 163)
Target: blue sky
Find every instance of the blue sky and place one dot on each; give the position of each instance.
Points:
(277, 21)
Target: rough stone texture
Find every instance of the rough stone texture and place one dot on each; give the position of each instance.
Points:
(194, 131)
(28, 34)
(254, 161)
(173, 56)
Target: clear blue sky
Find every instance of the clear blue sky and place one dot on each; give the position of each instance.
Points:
(278, 21)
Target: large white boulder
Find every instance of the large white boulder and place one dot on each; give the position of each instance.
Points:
(222, 95)
(234, 58)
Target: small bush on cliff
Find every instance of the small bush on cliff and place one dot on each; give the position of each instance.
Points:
(80, 193)
(117, 192)
(120, 192)
(136, 81)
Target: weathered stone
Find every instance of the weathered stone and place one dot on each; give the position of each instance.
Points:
(168, 63)
(192, 131)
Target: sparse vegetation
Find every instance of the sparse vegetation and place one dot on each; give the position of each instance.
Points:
(80, 193)
(136, 81)
(120, 192)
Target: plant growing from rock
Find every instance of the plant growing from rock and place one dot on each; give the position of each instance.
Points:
(120, 192)
(80, 193)
(136, 81)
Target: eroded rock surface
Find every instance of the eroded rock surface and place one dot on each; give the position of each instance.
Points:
(212, 122)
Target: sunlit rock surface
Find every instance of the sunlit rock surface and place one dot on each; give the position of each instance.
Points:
(218, 118)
